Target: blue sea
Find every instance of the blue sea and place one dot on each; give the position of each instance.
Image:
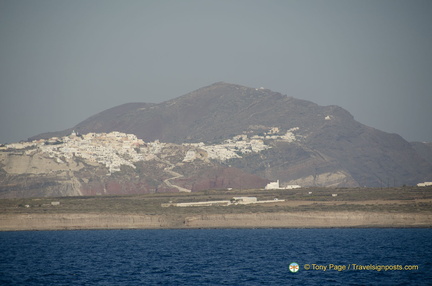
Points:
(217, 257)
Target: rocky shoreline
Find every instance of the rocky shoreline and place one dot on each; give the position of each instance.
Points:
(70, 221)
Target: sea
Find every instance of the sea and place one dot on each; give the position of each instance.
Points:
(356, 256)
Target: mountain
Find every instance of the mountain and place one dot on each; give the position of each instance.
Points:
(209, 114)
(424, 149)
(227, 135)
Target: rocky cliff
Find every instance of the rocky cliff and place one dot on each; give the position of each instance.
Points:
(257, 220)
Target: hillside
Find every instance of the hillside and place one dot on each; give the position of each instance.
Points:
(424, 149)
(219, 136)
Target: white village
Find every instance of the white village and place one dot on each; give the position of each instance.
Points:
(115, 149)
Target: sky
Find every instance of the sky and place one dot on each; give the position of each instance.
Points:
(64, 61)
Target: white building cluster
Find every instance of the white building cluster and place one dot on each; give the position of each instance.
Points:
(231, 148)
(276, 186)
(22, 145)
(112, 149)
(115, 149)
(234, 148)
(274, 134)
(239, 145)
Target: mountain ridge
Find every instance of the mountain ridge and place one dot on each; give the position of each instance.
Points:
(255, 132)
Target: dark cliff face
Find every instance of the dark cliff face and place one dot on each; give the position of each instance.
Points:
(330, 147)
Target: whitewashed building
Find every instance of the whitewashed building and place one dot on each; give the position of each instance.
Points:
(425, 184)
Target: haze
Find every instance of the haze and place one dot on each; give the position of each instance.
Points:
(63, 61)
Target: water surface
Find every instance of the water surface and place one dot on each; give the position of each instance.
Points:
(214, 257)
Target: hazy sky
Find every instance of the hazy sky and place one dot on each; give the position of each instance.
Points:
(63, 61)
